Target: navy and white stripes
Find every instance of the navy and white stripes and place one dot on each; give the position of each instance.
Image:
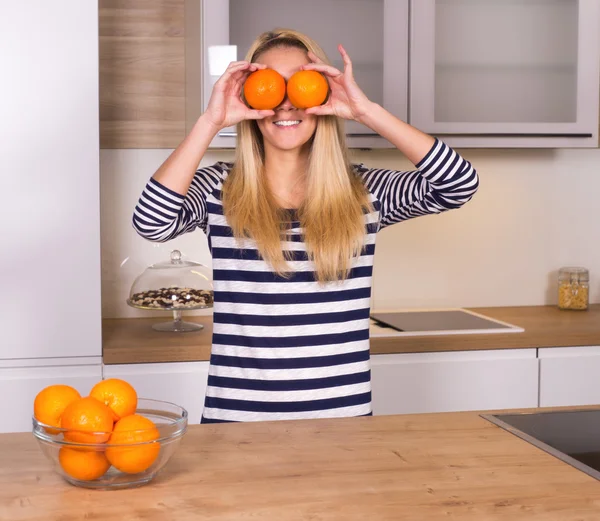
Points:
(292, 348)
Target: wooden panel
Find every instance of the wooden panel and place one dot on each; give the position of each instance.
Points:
(142, 73)
(425, 467)
(129, 340)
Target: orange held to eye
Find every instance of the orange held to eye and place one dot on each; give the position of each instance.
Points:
(307, 89)
(264, 89)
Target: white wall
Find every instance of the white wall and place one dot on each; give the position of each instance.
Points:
(49, 152)
(536, 210)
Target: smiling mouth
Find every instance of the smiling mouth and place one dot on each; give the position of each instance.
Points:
(293, 123)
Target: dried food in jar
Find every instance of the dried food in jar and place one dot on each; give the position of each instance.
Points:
(573, 288)
(573, 295)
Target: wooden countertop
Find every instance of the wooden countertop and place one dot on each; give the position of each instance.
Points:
(412, 467)
(128, 341)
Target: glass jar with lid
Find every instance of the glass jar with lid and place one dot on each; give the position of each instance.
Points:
(573, 288)
(175, 285)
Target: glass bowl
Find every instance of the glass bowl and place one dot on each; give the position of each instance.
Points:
(171, 422)
(176, 285)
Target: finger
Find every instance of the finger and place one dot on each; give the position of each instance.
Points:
(314, 58)
(259, 114)
(322, 67)
(245, 66)
(241, 74)
(231, 70)
(346, 58)
(237, 76)
(237, 68)
(237, 64)
(322, 110)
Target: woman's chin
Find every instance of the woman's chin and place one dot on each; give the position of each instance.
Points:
(291, 141)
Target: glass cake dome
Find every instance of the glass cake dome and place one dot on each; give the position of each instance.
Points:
(176, 285)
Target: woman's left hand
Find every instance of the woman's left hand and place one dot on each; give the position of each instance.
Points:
(346, 100)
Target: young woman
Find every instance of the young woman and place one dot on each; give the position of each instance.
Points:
(291, 226)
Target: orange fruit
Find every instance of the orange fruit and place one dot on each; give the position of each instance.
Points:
(133, 430)
(116, 394)
(50, 403)
(264, 89)
(307, 89)
(87, 420)
(84, 465)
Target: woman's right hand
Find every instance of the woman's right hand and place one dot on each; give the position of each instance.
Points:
(225, 107)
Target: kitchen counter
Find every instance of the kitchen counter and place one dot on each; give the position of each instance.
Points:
(413, 467)
(134, 341)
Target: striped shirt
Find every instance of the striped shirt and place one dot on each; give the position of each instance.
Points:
(290, 348)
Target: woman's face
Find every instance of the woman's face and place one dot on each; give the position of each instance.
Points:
(300, 126)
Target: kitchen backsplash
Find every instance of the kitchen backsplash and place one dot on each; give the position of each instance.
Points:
(536, 210)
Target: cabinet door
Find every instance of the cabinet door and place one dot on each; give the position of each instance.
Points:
(374, 32)
(183, 384)
(50, 254)
(454, 381)
(569, 376)
(504, 69)
(20, 385)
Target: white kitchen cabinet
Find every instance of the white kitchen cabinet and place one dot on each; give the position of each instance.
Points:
(50, 254)
(454, 381)
(569, 376)
(508, 73)
(476, 73)
(181, 383)
(20, 383)
(374, 32)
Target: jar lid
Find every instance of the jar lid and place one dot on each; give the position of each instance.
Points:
(574, 273)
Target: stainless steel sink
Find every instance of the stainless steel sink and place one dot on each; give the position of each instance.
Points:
(573, 436)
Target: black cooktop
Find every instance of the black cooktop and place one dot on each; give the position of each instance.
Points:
(572, 436)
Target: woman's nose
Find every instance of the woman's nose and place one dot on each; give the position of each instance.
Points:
(286, 104)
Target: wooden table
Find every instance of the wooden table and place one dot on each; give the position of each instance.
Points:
(454, 466)
(128, 341)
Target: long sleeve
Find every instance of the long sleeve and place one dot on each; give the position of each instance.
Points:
(443, 181)
(162, 214)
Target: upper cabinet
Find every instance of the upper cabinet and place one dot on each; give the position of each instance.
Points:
(477, 73)
(506, 72)
(374, 32)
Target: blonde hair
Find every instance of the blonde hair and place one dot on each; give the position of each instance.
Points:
(332, 214)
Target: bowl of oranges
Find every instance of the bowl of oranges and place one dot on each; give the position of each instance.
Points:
(108, 439)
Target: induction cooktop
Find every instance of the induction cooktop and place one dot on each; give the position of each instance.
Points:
(450, 321)
(572, 436)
